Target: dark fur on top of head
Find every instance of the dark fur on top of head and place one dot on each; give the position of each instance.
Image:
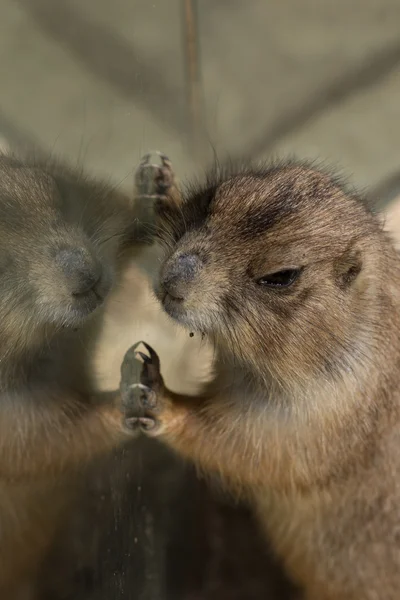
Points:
(198, 195)
(246, 223)
(57, 227)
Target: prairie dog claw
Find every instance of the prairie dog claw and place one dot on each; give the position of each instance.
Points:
(141, 387)
(153, 180)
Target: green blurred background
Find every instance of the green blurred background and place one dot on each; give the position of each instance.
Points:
(102, 81)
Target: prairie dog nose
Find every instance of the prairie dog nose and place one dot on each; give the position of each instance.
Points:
(81, 270)
(179, 273)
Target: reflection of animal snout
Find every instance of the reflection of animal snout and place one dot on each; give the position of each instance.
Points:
(82, 271)
(179, 272)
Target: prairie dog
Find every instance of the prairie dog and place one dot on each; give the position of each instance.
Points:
(63, 242)
(296, 284)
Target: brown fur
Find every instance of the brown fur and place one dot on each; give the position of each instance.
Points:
(303, 413)
(52, 421)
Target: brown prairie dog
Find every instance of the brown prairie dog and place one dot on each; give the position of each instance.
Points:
(64, 242)
(297, 286)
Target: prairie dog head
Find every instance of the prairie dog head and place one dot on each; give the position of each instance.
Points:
(279, 266)
(60, 240)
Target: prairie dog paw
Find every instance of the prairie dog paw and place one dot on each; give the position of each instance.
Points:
(154, 180)
(142, 388)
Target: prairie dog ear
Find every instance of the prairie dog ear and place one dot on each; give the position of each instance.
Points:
(348, 267)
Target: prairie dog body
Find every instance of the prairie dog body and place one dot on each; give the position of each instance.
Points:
(298, 287)
(64, 240)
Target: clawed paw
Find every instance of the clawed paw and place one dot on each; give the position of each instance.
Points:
(141, 388)
(154, 180)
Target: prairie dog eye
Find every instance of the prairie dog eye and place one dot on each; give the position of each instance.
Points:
(280, 279)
